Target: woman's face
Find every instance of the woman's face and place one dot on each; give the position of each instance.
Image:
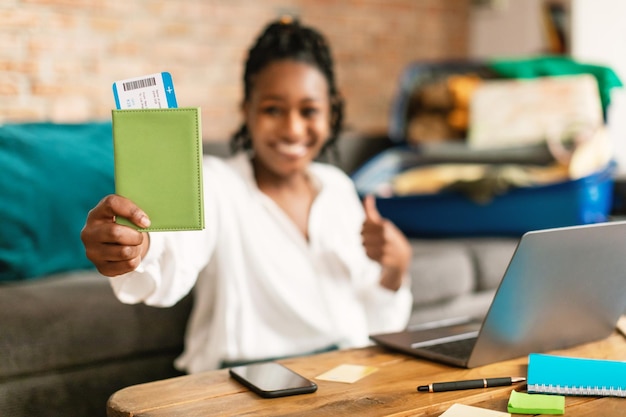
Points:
(288, 116)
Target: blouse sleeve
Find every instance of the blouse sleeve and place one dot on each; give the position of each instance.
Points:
(387, 310)
(168, 272)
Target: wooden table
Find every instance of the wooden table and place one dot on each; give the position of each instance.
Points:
(390, 391)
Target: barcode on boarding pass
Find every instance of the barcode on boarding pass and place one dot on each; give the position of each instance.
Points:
(154, 91)
(143, 83)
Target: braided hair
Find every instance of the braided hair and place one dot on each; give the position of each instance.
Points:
(287, 39)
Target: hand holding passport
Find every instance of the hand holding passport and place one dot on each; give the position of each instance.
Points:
(158, 154)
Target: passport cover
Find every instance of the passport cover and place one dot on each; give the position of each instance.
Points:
(158, 165)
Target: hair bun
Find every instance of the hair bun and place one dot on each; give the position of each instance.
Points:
(288, 19)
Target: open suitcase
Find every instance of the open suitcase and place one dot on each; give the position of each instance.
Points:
(450, 213)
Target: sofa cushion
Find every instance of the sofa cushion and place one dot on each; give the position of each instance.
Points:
(71, 320)
(80, 391)
(440, 270)
(457, 277)
(492, 256)
(52, 175)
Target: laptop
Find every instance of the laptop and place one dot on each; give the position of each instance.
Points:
(563, 287)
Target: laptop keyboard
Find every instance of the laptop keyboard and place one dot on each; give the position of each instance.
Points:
(458, 349)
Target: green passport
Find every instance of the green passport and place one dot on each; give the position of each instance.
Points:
(158, 165)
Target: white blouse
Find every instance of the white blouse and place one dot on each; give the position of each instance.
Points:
(261, 290)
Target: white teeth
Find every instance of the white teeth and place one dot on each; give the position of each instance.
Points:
(292, 149)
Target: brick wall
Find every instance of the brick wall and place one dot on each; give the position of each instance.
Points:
(58, 58)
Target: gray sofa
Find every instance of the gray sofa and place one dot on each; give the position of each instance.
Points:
(66, 343)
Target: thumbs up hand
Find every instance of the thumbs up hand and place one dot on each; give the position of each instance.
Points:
(385, 244)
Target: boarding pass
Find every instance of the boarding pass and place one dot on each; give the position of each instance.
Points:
(154, 91)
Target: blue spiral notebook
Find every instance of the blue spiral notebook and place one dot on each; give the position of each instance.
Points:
(551, 374)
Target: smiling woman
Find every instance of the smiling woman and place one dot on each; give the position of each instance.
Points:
(287, 40)
(289, 255)
(288, 117)
(290, 99)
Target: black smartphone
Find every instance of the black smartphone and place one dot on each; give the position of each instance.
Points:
(271, 380)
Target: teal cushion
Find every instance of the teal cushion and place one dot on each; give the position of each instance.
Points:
(51, 175)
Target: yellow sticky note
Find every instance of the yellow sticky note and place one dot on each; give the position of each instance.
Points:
(462, 410)
(347, 373)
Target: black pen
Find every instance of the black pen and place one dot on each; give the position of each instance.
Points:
(470, 384)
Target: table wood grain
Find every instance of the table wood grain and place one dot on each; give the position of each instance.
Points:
(390, 391)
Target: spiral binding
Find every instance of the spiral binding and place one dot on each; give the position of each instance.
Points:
(574, 390)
